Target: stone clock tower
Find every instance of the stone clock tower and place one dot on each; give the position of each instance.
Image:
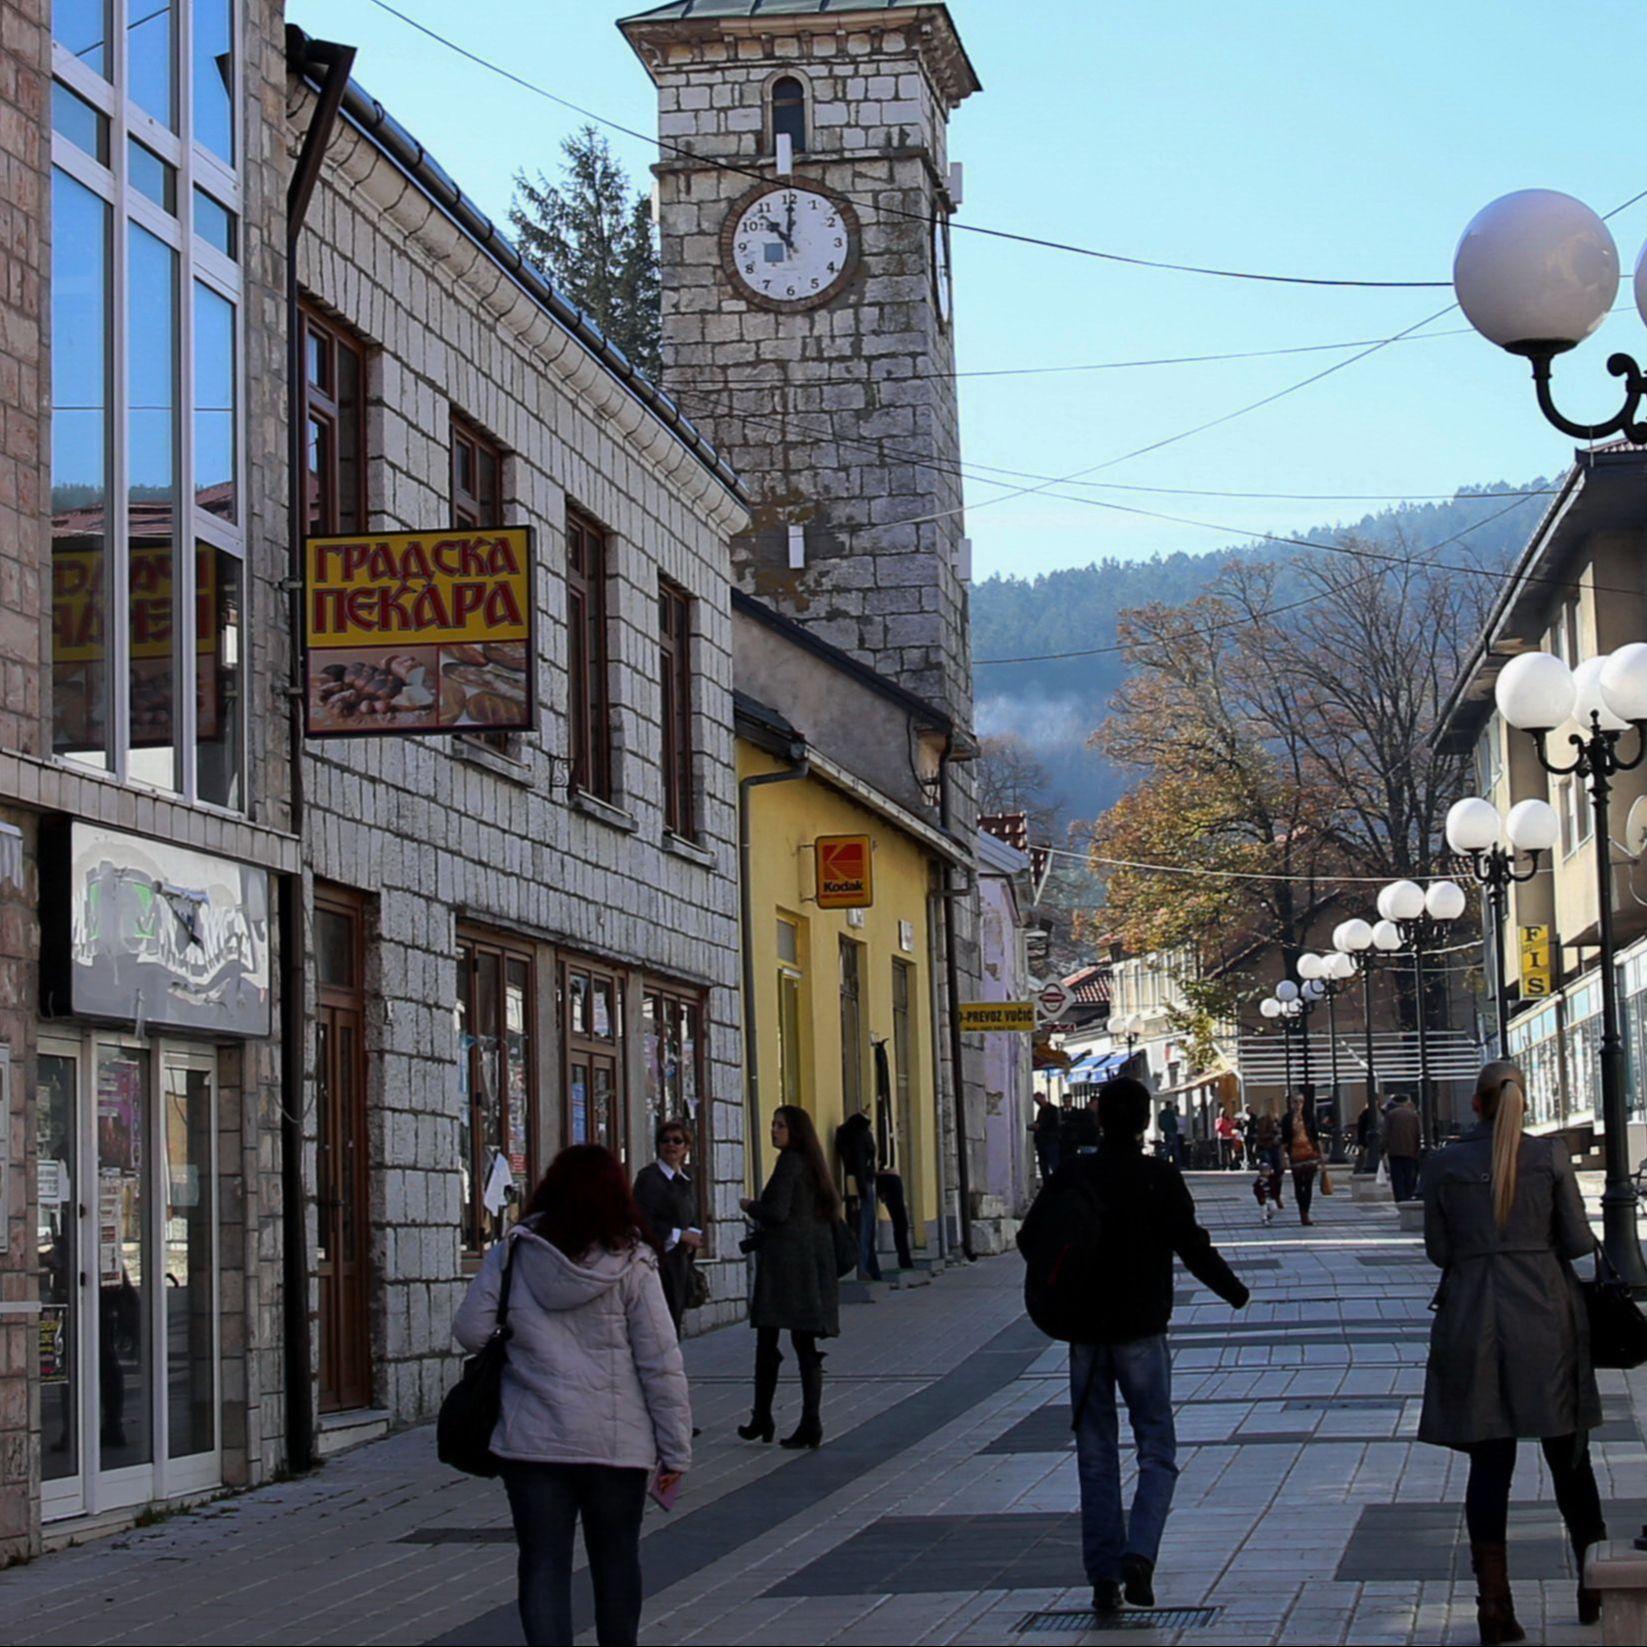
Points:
(804, 202)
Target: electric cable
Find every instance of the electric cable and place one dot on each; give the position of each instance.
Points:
(879, 209)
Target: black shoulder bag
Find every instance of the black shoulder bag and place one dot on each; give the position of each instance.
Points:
(1618, 1330)
(473, 1405)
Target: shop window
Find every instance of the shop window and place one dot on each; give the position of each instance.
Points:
(588, 706)
(789, 113)
(334, 376)
(675, 681)
(854, 1046)
(675, 1065)
(789, 1013)
(138, 288)
(592, 1036)
(496, 1080)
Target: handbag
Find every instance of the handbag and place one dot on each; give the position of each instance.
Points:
(697, 1288)
(846, 1250)
(473, 1405)
(1618, 1329)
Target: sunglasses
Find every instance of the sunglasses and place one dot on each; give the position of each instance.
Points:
(680, 1141)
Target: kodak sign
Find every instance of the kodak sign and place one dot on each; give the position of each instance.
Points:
(846, 877)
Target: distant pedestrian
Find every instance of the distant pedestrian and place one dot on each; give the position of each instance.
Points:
(1078, 1131)
(1403, 1144)
(1267, 1147)
(1368, 1137)
(1509, 1347)
(796, 1290)
(855, 1145)
(1249, 1135)
(1171, 1137)
(669, 1198)
(594, 1394)
(1302, 1144)
(1044, 1130)
(1126, 1215)
(1266, 1191)
(1229, 1141)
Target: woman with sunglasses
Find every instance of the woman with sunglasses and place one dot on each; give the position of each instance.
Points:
(669, 1198)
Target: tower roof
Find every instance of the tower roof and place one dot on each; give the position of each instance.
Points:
(953, 68)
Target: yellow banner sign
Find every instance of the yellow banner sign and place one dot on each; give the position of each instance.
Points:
(417, 632)
(845, 869)
(1016, 1017)
(1537, 976)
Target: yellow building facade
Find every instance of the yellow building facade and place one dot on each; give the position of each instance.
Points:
(831, 986)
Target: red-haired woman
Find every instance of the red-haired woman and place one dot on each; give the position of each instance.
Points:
(594, 1394)
(796, 1287)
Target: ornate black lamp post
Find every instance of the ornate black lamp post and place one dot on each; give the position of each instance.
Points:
(1333, 971)
(1363, 943)
(1493, 846)
(1603, 699)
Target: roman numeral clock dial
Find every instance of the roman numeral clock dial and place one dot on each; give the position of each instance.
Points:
(791, 246)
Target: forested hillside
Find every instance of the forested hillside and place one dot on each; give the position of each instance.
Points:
(1054, 705)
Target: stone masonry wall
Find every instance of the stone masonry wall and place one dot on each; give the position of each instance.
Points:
(439, 830)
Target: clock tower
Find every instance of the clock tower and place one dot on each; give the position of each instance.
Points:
(804, 197)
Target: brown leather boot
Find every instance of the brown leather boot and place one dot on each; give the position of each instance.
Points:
(1494, 1610)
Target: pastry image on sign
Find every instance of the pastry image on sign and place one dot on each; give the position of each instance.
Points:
(419, 632)
(845, 872)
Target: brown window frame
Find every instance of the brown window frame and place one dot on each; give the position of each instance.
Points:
(675, 707)
(477, 508)
(588, 701)
(480, 1228)
(339, 511)
(582, 1048)
(661, 1001)
(783, 116)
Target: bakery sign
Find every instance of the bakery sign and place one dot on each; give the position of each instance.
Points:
(419, 632)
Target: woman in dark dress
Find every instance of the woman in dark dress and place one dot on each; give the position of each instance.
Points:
(1510, 1345)
(669, 1198)
(796, 1287)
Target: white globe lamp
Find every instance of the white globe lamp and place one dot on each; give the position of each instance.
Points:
(1472, 826)
(1270, 1007)
(1386, 936)
(1343, 966)
(1401, 901)
(1532, 826)
(1535, 692)
(1590, 705)
(1536, 272)
(1445, 901)
(1353, 936)
(1309, 965)
(1314, 989)
(1286, 991)
(1624, 682)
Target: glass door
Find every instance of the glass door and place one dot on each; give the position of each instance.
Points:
(58, 1225)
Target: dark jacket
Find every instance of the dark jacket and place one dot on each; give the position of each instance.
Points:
(1403, 1131)
(1149, 1215)
(796, 1288)
(1510, 1344)
(669, 1204)
(855, 1144)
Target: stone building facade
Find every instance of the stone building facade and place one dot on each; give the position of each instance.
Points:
(541, 954)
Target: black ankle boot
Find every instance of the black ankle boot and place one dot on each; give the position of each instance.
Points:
(1138, 1580)
(760, 1426)
(810, 1433)
(1589, 1601)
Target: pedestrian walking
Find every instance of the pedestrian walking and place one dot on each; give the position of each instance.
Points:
(1044, 1131)
(1229, 1141)
(1125, 1215)
(1510, 1344)
(796, 1289)
(1267, 1148)
(669, 1198)
(1249, 1135)
(1367, 1138)
(1171, 1138)
(1266, 1190)
(1403, 1144)
(1302, 1144)
(594, 1394)
(855, 1145)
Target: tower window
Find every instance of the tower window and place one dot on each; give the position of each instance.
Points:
(789, 112)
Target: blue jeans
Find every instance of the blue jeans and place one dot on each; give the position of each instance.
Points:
(547, 1501)
(1142, 1370)
(869, 1263)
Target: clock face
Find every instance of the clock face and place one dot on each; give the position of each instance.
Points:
(791, 247)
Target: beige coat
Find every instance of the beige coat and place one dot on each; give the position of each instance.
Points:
(594, 1373)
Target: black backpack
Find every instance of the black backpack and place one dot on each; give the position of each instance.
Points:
(1067, 1272)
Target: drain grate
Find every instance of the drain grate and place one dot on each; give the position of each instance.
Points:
(1072, 1622)
(459, 1535)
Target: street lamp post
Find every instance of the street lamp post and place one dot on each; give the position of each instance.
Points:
(1420, 918)
(1333, 971)
(1601, 700)
(1492, 845)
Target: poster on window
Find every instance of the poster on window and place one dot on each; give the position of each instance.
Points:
(411, 633)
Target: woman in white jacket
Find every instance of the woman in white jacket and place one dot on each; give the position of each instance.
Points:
(594, 1394)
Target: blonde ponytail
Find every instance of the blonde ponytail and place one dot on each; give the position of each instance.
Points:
(1507, 1125)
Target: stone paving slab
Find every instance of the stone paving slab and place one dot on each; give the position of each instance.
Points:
(943, 1506)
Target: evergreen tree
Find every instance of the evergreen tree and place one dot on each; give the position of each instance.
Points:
(592, 234)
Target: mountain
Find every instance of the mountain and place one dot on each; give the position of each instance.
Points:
(1055, 703)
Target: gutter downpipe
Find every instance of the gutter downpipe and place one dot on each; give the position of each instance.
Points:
(952, 976)
(801, 768)
(337, 62)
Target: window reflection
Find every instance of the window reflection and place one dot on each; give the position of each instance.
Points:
(79, 479)
(213, 80)
(214, 403)
(74, 118)
(220, 638)
(151, 176)
(150, 79)
(214, 223)
(82, 26)
(191, 1385)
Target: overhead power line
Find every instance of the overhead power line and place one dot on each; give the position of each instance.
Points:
(869, 204)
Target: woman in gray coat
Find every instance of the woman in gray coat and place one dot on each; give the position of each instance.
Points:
(796, 1285)
(1510, 1346)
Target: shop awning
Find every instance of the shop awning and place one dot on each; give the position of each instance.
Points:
(1097, 1066)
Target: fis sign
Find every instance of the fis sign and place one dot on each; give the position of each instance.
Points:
(845, 869)
(1536, 977)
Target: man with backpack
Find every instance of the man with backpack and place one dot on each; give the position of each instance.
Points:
(1099, 1243)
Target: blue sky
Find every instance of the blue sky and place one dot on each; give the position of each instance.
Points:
(1307, 138)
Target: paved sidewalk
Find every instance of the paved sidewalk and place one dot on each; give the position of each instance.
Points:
(941, 1507)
